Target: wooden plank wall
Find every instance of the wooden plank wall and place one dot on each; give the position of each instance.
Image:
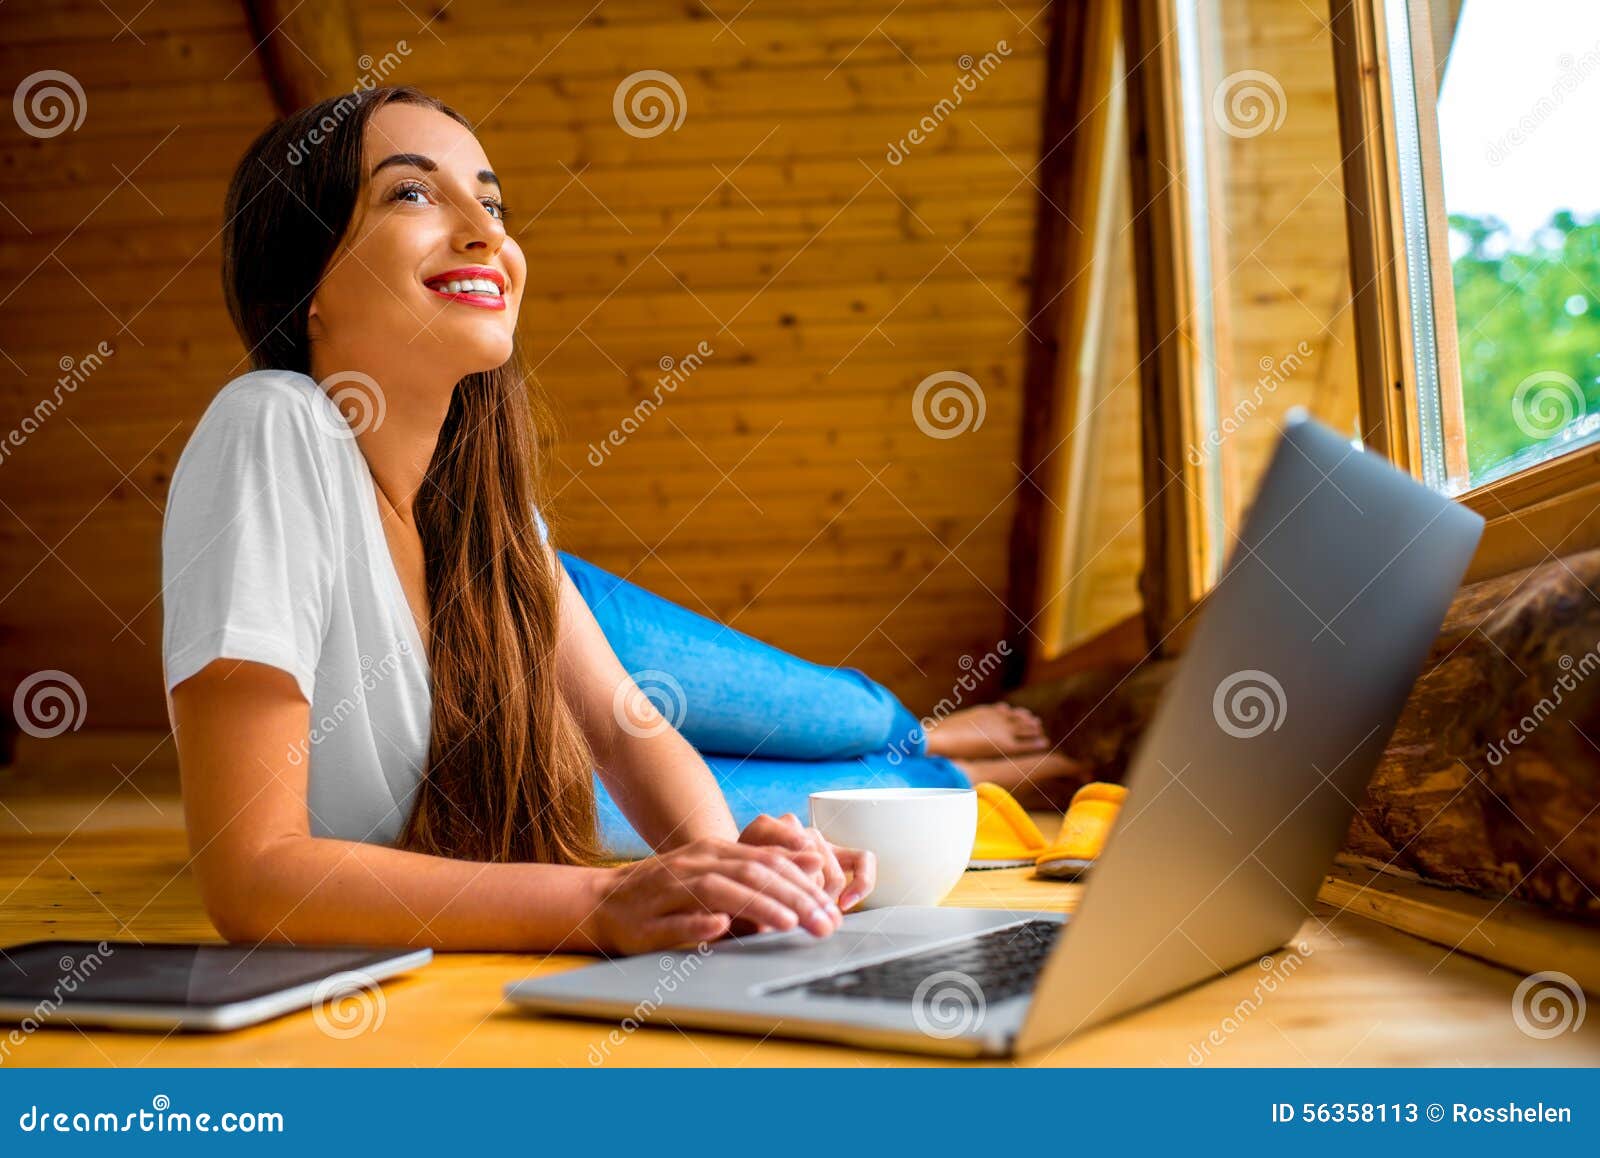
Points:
(784, 486)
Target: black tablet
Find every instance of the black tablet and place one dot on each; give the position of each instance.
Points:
(166, 986)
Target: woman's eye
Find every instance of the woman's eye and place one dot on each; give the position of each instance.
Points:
(407, 192)
(496, 209)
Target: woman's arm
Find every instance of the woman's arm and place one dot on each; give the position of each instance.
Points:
(263, 876)
(656, 777)
(659, 780)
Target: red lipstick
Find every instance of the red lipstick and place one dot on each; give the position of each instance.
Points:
(467, 295)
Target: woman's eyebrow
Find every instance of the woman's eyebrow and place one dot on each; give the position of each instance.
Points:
(414, 160)
(428, 165)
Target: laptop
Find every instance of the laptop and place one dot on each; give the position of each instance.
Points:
(1239, 796)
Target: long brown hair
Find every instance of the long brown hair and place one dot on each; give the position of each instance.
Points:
(508, 776)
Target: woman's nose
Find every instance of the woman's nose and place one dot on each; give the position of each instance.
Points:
(479, 231)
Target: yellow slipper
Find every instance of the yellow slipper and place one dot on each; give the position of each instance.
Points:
(1007, 837)
(1084, 830)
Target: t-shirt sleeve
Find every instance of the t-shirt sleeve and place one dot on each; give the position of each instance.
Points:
(247, 543)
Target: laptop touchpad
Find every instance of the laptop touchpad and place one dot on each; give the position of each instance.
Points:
(799, 944)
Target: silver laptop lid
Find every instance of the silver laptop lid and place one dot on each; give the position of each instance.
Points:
(1245, 781)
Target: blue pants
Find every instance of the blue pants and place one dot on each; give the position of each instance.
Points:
(773, 728)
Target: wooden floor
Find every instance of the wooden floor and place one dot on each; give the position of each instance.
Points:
(107, 859)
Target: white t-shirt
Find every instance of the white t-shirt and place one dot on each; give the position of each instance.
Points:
(273, 551)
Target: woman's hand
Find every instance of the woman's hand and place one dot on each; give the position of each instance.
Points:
(847, 874)
(696, 893)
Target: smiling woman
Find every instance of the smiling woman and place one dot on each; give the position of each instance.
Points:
(399, 195)
(391, 695)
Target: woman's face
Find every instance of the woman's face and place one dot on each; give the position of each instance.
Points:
(426, 278)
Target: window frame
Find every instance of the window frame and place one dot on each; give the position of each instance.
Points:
(1182, 545)
(1540, 512)
(1083, 379)
(1082, 175)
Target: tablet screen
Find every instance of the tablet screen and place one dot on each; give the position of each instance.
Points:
(159, 974)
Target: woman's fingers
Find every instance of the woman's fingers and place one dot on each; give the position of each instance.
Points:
(785, 832)
(679, 930)
(740, 890)
(797, 869)
(811, 852)
(833, 874)
(863, 869)
(802, 864)
(818, 916)
(773, 878)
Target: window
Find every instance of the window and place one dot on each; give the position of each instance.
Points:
(1518, 105)
(1101, 538)
(1474, 225)
(1261, 178)
(1080, 556)
(1095, 554)
(1244, 285)
(1384, 211)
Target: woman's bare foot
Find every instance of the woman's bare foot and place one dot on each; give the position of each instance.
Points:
(1038, 780)
(986, 731)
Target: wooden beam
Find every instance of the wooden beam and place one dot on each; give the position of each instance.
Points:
(1179, 554)
(1515, 934)
(308, 51)
(1066, 107)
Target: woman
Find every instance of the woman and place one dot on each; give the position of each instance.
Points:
(390, 695)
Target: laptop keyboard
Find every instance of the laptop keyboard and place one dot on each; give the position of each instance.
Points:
(1002, 963)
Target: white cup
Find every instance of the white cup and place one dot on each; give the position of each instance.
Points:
(922, 837)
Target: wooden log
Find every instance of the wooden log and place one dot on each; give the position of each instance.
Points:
(306, 49)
